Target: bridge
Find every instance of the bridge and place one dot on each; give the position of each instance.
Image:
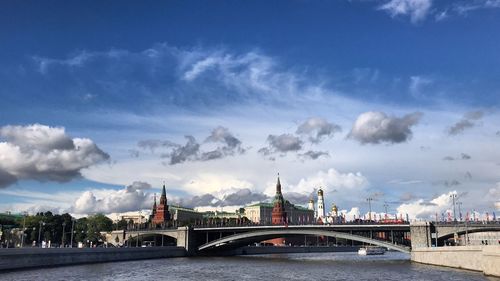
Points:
(258, 234)
(213, 240)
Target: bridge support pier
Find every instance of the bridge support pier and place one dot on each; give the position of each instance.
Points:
(186, 239)
(421, 234)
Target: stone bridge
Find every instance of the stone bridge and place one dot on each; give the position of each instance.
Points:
(425, 234)
(245, 238)
(400, 237)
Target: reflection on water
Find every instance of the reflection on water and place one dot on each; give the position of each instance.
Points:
(321, 266)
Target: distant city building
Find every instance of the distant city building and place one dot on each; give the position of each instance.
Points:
(223, 215)
(183, 215)
(132, 217)
(259, 213)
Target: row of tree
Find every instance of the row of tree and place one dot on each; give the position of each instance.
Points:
(55, 228)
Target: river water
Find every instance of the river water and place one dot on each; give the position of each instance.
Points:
(321, 266)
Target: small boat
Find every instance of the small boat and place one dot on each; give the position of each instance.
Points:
(371, 251)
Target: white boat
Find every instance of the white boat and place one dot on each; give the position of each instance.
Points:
(371, 251)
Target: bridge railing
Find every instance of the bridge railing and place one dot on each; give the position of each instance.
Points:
(228, 223)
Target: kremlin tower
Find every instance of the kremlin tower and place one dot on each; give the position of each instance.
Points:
(160, 213)
(321, 205)
(278, 214)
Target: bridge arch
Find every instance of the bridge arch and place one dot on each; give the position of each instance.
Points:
(241, 239)
(462, 231)
(133, 236)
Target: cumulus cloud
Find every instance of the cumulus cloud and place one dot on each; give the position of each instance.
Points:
(354, 213)
(416, 9)
(206, 199)
(376, 127)
(242, 197)
(237, 197)
(282, 144)
(422, 209)
(226, 145)
(152, 145)
(314, 154)
(317, 129)
(183, 153)
(138, 185)
(230, 144)
(43, 153)
(469, 120)
(130, 198)
(331, 180)
(298, 198)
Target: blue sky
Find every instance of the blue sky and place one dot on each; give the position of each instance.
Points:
(393, 99)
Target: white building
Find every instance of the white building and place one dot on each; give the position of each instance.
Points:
(321, 205)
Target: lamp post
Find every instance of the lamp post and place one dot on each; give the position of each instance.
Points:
(385, 206)
(24, 228)
(453, 197)
(72, 227)
(369, 199)
(64, 233)
(41, 223)
(459, 211)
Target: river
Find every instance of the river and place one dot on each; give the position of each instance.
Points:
(323, 266)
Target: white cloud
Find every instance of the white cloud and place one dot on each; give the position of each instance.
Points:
(317, 129)
(44, 153)
(427, 210)
(469, 120)
(330, 181)
(218, 184)
(377, 127)
(416, 9)
(106, 201)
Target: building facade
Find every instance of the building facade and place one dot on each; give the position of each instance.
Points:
(182, 215)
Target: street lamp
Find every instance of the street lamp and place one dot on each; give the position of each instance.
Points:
(459, 210)
(24, 228)
(385, 206)
(72, 227)
(64, 233)
(369, 199)
(454, 197)
(41, 223)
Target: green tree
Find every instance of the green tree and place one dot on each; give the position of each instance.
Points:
(120, 225)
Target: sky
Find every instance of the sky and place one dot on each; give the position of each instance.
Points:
(103, 102)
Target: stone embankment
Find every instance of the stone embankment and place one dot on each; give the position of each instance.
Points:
(478, 258)
(11, 259)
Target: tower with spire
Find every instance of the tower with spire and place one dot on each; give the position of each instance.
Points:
(278, 213)
(321, 205)
(161, 213)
